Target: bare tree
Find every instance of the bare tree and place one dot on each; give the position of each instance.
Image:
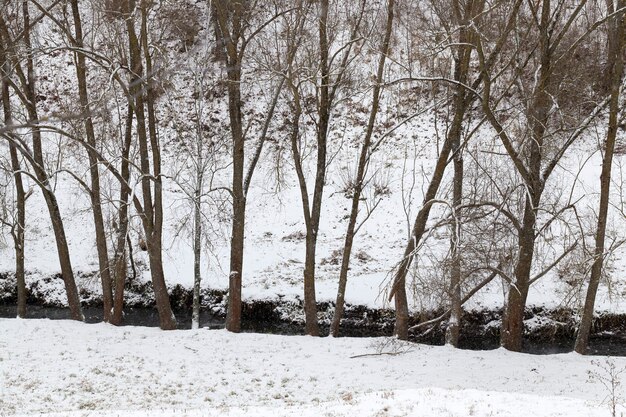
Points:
(141, 88)
(461, 102)
(615, 72)
(540, 68)
(28, 95)
(364, 159)
(101, 241)
(233, 19)
(17, 226)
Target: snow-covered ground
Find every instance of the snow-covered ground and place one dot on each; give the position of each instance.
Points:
(63, 368)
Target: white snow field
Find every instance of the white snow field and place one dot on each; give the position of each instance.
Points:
(64, 368)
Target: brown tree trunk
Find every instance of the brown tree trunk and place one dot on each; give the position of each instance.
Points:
(513, 318)
(452, 141)
(615, 50)
(20, 195)
(310, 303)
(233, 317)
(155, 240)
(231, 36)
(101, 242)
(360, 176)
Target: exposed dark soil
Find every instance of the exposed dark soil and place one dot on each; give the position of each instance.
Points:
(548, 331)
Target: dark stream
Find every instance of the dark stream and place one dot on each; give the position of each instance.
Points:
(605, 344)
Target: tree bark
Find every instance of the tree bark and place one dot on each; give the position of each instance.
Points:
(324, 104)
(197, 230)
(538, 114)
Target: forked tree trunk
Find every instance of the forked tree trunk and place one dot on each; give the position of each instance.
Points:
(155, 239)
(538, 114)
(152, 216)
(310, 302)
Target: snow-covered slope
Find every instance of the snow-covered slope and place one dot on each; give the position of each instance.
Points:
(274, 249)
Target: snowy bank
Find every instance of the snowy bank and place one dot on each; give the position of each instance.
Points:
(74, 369)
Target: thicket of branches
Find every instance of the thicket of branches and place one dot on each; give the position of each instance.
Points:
(164, 92)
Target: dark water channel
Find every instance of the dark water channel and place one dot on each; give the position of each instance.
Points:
(606, 344)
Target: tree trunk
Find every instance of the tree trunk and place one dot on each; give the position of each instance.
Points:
(310, 303)
(398, 289)
(39, 168)
(616, 48)
(233, 316)
(101, 242)
(152, 216)
(120, 262)
(231, 40)
(513, 318)
(197, 239)
(538, 114)
(20, 195)
(460, 104)
(360, 176)
(453, 328)
(155, 240)
(452, 140)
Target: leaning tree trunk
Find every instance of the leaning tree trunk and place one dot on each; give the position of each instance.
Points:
(360, 176)
(398, 288)
(96, 204)
(58, 228)
(616, 50)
